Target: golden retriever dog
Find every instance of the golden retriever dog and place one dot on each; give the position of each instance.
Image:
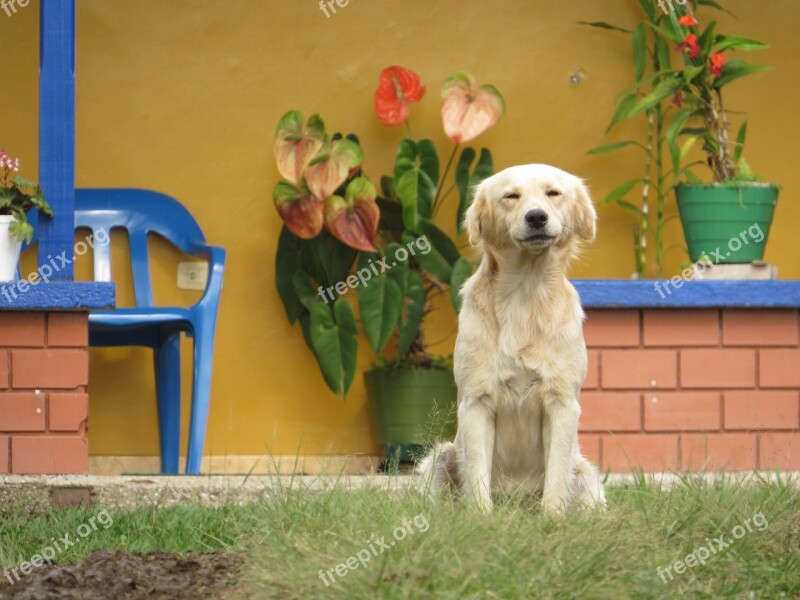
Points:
(520, 357)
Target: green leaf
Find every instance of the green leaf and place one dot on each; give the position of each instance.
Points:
(387, 187)
(649, 8)
(662, 53)
(380, 300)
(713, 4)
(391, 215)
(692, 71)
(304, 288)
(332, 260)
(673, 131)
(289, 259)
(411, 312)
(441, 242)
(670, 33)
(333, 339)
(639, 49)
(433, 261)
(466, 187)
(706, 39)
(630, 207)
(736, 68)
(612, 147)
(462, 182)
(416, 174)
(620, 191)
(740, 137)
(461, 272)
(21, 230)
(737, 42)
(664, 89)
(623, 110)
(604, 25)
(675, 155)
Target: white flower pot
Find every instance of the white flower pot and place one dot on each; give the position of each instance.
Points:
(9, 250)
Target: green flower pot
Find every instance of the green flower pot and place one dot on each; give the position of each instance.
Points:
(412, 407)
(727, 224)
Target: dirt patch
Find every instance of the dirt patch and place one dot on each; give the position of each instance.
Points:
(122, 575)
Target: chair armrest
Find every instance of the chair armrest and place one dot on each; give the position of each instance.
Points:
(215, 256)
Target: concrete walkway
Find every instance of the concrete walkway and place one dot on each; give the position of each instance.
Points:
(36, 493)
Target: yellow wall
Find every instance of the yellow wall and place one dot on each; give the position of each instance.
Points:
(183, 97)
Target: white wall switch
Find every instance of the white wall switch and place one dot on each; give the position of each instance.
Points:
(192, 275)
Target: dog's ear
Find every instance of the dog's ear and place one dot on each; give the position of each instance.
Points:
(585, 215)
(474, 221)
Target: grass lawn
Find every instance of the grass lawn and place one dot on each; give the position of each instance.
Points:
(404, 546)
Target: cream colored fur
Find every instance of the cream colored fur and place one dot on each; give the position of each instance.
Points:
(520, 357)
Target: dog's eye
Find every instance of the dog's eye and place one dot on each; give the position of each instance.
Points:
(511, 196)
(553, 193)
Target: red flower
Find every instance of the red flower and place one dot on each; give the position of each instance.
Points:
(678, 99)
(687, 20)
(690, 43)
(717, 60)
(397, 88)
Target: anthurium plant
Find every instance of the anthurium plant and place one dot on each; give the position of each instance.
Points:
(681, 65)
(18, 196)
(343, 232)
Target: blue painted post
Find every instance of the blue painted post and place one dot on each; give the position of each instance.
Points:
(57, 131)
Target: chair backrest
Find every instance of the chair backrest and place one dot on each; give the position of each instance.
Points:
(139, 212)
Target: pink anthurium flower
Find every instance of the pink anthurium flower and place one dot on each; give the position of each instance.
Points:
(398, 88)
(296, 145)
(353, 220)
(331, 167)
(468, 111)
(299, 210)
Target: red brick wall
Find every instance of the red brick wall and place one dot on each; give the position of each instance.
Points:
(706, 389)
(44, 407)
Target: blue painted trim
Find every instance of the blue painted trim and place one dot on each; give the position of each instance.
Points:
(57, 129)
(57, 295)
(623, 293)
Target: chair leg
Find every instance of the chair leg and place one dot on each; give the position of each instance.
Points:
(201, 396)
(167, 362)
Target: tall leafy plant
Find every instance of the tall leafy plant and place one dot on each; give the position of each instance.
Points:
(337, 225)
(681, 100)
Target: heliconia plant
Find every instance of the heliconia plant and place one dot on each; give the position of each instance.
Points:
(335, 219)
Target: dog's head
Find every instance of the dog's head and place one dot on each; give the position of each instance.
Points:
(530, 208)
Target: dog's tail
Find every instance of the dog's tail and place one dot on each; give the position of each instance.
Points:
(439, 469)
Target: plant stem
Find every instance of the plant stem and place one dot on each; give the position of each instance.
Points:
(659, 233)
(443, 179)
(408, 129)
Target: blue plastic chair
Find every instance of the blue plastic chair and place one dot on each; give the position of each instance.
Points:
(141, 212)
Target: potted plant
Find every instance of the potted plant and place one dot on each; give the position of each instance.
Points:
(340, 234)
(17, 197)
(687, 101)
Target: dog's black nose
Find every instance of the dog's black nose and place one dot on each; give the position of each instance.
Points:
(536, 218)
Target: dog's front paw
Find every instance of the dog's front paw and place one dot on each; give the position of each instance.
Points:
(554, 506)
